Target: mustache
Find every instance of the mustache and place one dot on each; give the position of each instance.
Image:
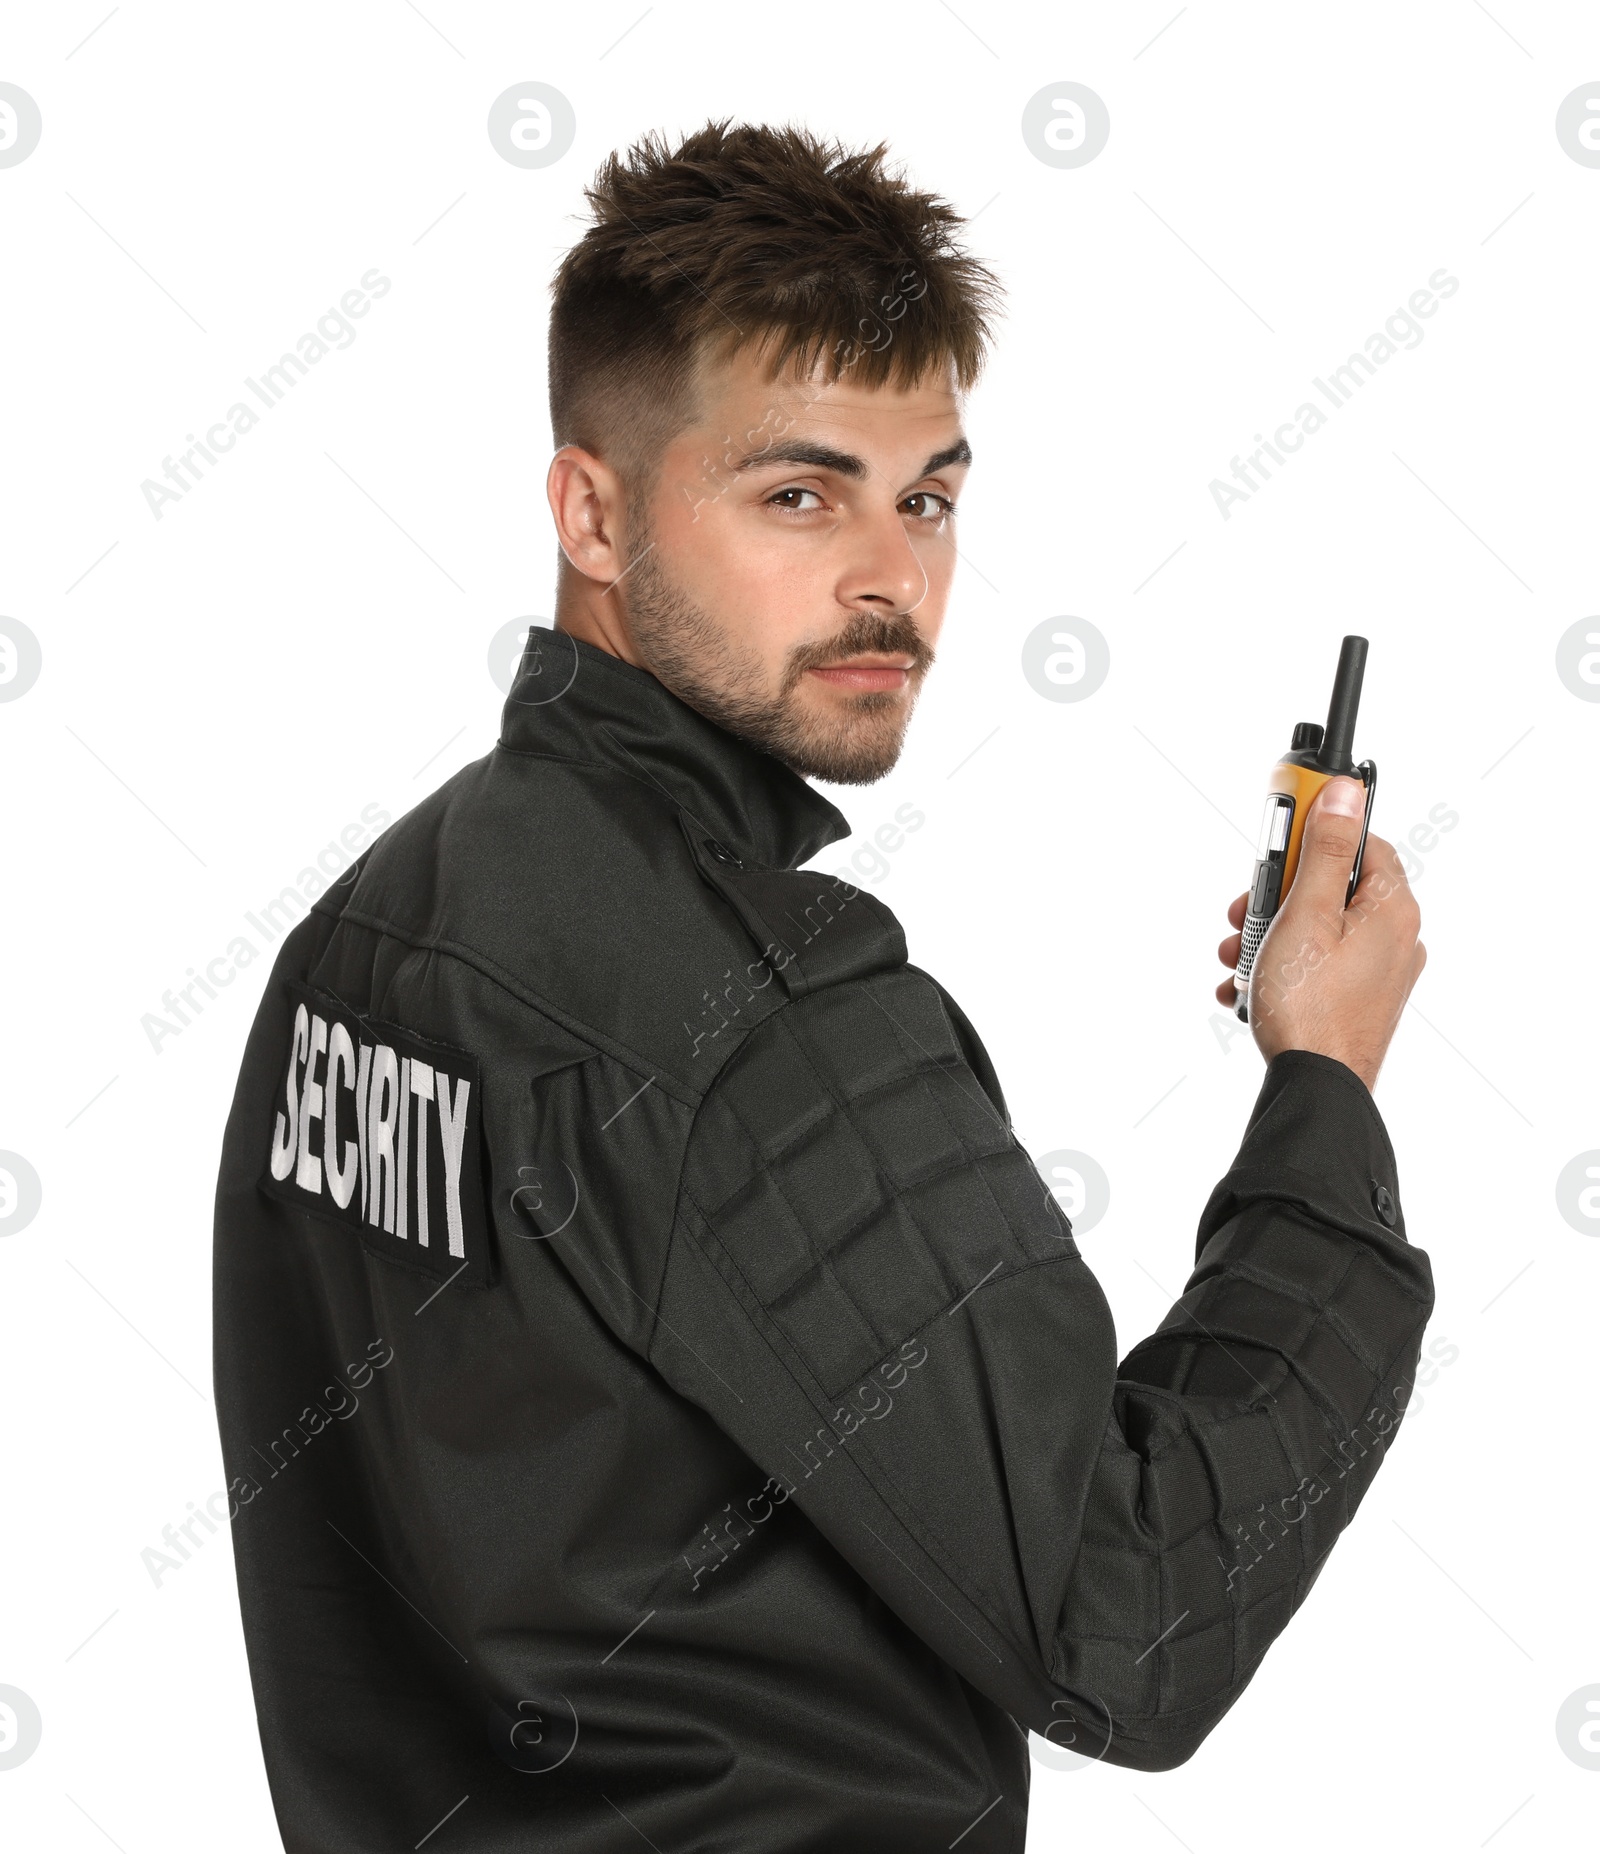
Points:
(888, 633)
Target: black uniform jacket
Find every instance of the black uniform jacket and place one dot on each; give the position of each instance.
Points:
(662, 1401)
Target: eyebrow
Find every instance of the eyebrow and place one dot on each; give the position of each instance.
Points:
(846, 463)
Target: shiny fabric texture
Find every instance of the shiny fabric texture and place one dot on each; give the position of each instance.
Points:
(782, 1473)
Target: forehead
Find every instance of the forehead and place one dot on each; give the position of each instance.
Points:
(735, 396)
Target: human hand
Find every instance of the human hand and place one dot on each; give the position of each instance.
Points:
(1328, 978)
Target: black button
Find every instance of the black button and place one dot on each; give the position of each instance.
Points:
(1384, 1204)
(723, 854)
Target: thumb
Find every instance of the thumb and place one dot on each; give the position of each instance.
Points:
(1328, 848)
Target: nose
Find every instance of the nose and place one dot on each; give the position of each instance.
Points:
(883, 573)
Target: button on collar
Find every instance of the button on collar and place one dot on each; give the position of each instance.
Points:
(722, 853)
(1383, 1202)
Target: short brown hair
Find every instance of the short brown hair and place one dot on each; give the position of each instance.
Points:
(750, 235)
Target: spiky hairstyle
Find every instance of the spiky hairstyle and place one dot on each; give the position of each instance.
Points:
(813, 256)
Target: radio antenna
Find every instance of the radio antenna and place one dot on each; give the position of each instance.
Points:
(1338, 737)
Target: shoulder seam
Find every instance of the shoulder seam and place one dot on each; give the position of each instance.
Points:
(524, 994)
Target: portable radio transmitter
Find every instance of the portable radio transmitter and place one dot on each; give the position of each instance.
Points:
(1316, 755)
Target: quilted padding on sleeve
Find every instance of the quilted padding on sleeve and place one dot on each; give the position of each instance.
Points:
(860, 1179)
(1107, 1551)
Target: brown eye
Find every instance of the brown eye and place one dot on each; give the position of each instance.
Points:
(778, 500)
(942, 506)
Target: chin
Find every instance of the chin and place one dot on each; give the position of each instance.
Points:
(857, 747)
(845, 755)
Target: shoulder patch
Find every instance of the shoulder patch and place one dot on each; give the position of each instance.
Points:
(377, 1129)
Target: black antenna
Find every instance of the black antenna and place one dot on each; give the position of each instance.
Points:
(1338, 737)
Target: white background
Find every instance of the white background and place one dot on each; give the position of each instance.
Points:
(305, 634)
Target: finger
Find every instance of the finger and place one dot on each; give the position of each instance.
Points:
(1228, 951)
(1226, 993)
(1328, 848)
(1236, 909)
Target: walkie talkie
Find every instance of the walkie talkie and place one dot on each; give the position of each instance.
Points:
(1316, 755)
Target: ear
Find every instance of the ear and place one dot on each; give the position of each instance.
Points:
(587, 504)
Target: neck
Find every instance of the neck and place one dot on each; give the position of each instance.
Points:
(593, 614)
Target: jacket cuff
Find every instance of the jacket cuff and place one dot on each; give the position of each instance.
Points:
(1315, 1140)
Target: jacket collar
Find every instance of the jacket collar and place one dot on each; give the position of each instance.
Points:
(572, 700)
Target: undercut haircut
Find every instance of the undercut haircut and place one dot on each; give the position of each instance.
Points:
(813, 256)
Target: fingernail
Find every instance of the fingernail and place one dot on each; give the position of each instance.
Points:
(1345, 798)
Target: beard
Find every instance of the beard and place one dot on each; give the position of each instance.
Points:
(703, 664)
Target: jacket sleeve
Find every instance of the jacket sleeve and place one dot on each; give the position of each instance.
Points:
(870, 1288)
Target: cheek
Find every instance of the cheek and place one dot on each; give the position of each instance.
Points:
(735, 570)
(737, 557)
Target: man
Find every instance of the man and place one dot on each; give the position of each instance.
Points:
(661, 1398)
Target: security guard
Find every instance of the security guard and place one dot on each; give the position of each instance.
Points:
(660, 1398)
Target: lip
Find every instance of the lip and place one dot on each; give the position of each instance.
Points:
(865, 673)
